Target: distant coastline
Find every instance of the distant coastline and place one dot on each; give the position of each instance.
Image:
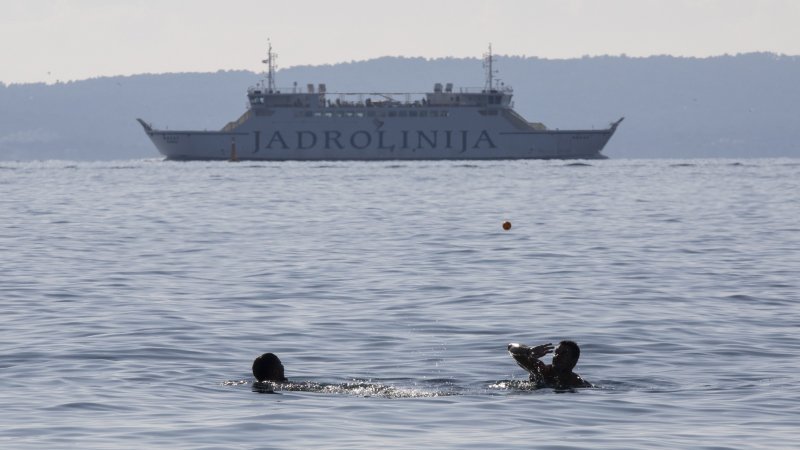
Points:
(737, 106)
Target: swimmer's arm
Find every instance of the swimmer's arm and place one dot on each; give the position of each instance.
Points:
(528, 357)
(581, 382)
(537, 352)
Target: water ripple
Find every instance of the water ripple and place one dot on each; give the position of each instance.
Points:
(390, 292)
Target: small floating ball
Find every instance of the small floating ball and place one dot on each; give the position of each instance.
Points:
(506, 225)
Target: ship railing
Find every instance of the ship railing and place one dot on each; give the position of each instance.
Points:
(338, 98)
(371, 99)
(278, 90)
(504, 89)
(482, 90)
(389, 99)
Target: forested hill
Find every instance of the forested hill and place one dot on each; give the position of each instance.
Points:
(745, 105)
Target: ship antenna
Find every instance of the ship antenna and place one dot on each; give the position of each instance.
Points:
(271, 67)
(488, 60)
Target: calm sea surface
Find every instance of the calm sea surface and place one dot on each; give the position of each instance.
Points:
(136, 294)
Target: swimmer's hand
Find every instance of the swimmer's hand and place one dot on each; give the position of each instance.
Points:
(535, 352)
(541, 350)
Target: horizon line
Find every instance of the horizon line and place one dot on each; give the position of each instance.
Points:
(778, 55)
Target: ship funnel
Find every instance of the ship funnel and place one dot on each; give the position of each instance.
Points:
(437, 88)
(449, 87)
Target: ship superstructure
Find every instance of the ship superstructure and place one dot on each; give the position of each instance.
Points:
(314, 124)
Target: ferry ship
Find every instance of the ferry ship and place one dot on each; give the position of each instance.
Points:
(292, 124)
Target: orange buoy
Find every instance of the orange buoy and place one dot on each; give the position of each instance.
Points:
(506, 225)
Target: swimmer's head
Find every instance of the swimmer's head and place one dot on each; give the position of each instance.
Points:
(566, 356)
(268, 367)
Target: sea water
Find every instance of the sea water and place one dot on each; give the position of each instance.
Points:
(136, 294)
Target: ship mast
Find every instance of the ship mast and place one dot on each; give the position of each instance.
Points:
(271, 67)
(488, 60)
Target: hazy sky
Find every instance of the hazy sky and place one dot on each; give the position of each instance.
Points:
(49, 40)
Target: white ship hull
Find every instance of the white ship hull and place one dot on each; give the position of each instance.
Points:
(463, 134)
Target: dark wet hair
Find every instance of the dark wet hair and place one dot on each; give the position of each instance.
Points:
(573, 350)
(268, 367)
